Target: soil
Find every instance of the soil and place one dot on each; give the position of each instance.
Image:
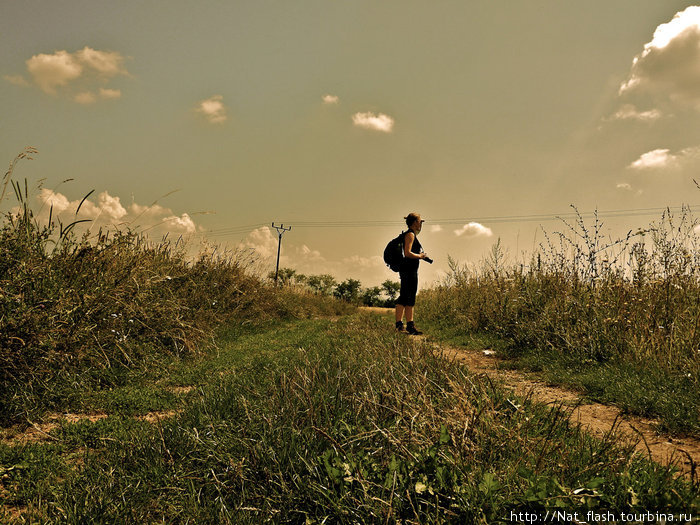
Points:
(596, 418)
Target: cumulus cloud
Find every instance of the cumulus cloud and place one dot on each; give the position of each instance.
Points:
(213, 109)
(663, 159)
(369, 120)
(474, 229)
(108, 210)
(655, 159)
(261, 241)
(434, 228)
(624, 186)
(61, 70)
(668, 68)
(330, 99)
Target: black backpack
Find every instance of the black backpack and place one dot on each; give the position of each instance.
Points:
(393, 253)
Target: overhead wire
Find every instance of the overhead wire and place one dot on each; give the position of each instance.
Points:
(239, 230)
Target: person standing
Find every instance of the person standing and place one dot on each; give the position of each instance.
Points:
(412, 254)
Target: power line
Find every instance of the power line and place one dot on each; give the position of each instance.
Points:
(633, 212)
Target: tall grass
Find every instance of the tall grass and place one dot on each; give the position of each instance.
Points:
(72, 306)
(633, 301)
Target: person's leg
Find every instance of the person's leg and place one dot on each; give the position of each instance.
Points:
(399, 312)
(412, 289)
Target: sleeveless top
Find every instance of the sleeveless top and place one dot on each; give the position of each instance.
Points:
(411, 265)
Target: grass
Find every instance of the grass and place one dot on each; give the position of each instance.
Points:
(618, 320)
(81, 312)
(313, 421)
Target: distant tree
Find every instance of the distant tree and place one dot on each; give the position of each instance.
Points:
(321, 284)
(371, 296)
(285, 276)
(348, 290)
(391, 290)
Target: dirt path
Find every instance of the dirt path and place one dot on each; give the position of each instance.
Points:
(596, 418)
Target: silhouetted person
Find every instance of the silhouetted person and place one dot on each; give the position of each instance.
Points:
(413, 253)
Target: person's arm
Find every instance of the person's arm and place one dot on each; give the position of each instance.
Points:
(407, 244)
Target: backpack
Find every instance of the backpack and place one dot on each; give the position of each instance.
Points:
(393, 253)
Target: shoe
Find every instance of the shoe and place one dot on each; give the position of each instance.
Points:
(411, 329)
(399, 326)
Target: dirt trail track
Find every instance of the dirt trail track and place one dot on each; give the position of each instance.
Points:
(596, 418)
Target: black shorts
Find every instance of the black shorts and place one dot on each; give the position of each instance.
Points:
(409, 288)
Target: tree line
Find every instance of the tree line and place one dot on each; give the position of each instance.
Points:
(350, 290)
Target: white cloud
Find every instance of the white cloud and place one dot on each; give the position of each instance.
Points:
(659, 159)
(369, 120)
(624, 186)
(52, 71)
(434, 228)
(107, 63)
(630, 112)
(656, 159)
(262, 242)
(61, 70)
(107, 210)
(213, 109)
(668, 68)
(474, 229)
(330, 99)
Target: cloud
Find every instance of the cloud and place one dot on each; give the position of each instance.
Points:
(474, 229)
(213, 109)
(658, 158)
(624, 186)
(630, 112)
(368, 120)
(668, 68)
(262, 242)
(72, 73)
(107, 63)
(663, 159)
(52, 71)
(330, 99)
(434, 228)
(108, 210)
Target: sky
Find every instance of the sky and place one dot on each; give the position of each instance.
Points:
(489, 118)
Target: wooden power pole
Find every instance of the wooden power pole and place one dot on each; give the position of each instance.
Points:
(280, 230)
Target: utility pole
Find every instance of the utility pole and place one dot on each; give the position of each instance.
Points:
(280, 230)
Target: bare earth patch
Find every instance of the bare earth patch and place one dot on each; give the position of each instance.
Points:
(36, 432)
